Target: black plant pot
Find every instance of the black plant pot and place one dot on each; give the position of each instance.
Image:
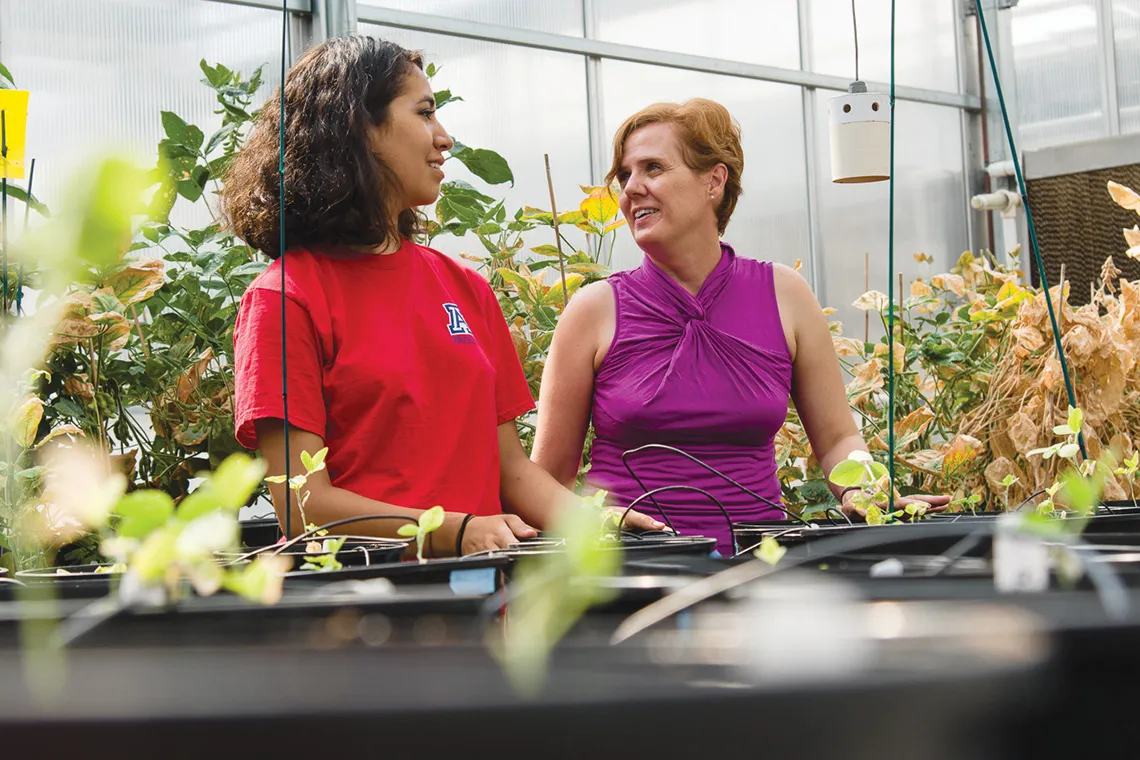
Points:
(260, 532)
(76, 582)
(434, 701)
(477, 575)
(356, 551)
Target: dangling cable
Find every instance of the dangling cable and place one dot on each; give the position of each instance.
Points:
(1029, 223)
(710, 468)
(10, 460)
(891, 284)
(20, 265)
(4, 214)
(281, 256)
(855, 27)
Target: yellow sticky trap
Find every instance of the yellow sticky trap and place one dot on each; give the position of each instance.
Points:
(14, 104)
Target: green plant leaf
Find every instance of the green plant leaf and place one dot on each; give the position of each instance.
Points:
(176, 129)
(770, 551)
(878, 470)
(1069, 450)
(1076, 420)
(408, 531)
(847, 473)
(485, 164)
(141, 512)
(307, 460)
(431, 519)
(6, 80)
(319, 457)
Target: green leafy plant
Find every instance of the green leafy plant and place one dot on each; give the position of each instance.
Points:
(1069, 448)
(162, 544)
(551, 592)
(1128, 470)
(429, 521)
(312, 463)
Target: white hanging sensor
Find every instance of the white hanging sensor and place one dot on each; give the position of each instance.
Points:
(860, 127)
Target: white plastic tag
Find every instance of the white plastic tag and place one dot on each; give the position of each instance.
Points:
(1021, 560)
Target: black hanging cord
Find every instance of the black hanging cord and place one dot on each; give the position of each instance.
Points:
(278, 548)
(20, 265)
(281, 255)
(710, 468)
(655, 491)
(855, 26)
(4, 214)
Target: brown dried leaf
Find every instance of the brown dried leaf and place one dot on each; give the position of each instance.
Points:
(77, 386)
(961, 451)
(189, 380)
(137, 282)
(910, 427)
(1124, 196)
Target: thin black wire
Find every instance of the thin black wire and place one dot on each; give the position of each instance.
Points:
(1034, 246)
(281, 255)
(20, 265)
(855, 25)
(4, 212)
(710, 468)
(10, 469)
(278, 548)
(715, 500)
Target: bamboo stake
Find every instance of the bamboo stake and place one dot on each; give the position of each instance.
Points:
(557, 237)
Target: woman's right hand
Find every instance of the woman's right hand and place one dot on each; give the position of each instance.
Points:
(494, 532)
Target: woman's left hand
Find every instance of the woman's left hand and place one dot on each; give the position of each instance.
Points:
(634, 519)
(930, 502)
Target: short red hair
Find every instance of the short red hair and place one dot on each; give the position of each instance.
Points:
(709, 136)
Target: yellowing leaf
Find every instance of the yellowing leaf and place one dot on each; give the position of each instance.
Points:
(26, 421)
(137, 282)
(962, 450)
(910, 427)
(923, 258)
(189, 380)
(613, 226)
(600, 205)
(872, 300)
(71, 430)
(528, 288)
(1124, 196)
(1132, 236)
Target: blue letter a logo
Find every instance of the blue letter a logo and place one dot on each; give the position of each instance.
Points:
(456, 324)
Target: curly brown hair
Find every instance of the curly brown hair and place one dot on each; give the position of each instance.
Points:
(337, 190)
(709, 136)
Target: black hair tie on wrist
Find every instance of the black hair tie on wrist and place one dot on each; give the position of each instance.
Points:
(459, 535)
(845, 490)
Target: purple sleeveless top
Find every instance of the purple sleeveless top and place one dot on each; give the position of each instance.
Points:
(708, 374)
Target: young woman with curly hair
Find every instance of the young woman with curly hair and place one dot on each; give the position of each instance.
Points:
(398, 357)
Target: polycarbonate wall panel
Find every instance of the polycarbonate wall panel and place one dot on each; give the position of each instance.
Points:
(753, 32)
(771, 219)
(1057, 59)
(519, 102)
(555, 16)
(1126, 20)
(101, 72)
(924, 46)
(930, 198)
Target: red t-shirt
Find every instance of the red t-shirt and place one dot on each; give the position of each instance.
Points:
(402, 363)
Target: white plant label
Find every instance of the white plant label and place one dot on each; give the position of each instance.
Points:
(1021, 562)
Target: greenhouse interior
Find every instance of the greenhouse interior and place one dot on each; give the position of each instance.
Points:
(270, 270)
